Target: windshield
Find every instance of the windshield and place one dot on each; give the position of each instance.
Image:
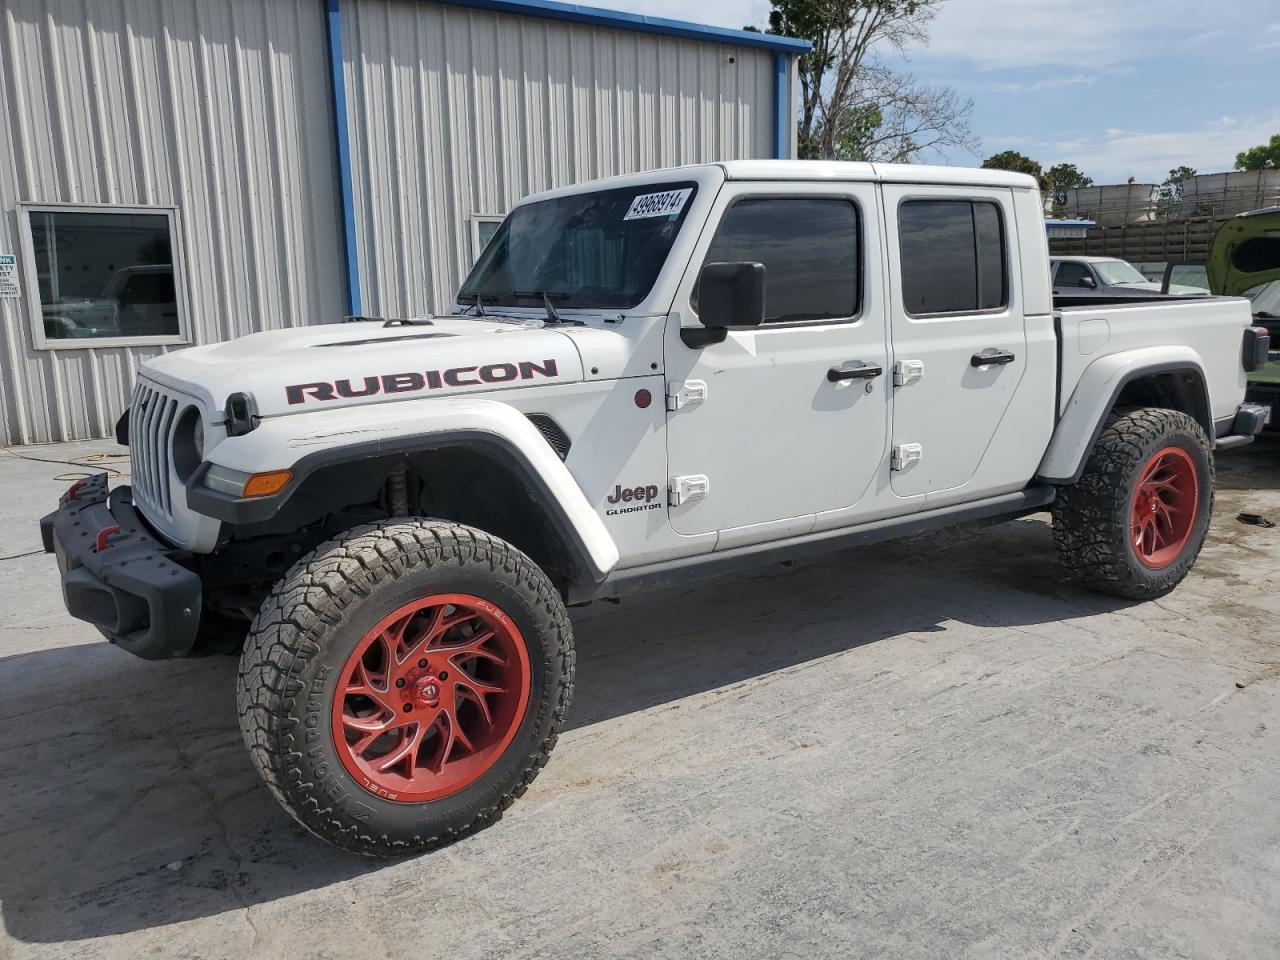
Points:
(1267, 300)
(1118, 271)
(599, 250)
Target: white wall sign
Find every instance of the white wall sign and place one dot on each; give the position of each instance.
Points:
(9, 276)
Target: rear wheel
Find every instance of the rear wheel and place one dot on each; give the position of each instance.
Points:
(404, 684)
(1134, 522)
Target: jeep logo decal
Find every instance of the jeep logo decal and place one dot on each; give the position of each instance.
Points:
(413, 381)
(642, 497)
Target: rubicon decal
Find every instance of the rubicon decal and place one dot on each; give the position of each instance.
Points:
(640, 498)
(414, 381)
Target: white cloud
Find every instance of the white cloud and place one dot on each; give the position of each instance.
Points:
(1047, 83)
(1119, 154)
(996, 34)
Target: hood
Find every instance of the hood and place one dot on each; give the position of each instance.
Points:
(1139, 285)
(1245, 252)
(343, 364)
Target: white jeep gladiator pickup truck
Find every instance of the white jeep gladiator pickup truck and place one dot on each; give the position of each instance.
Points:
(643, 380)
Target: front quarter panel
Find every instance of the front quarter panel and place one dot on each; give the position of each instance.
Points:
(282, 443)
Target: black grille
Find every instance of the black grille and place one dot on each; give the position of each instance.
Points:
(555, 436)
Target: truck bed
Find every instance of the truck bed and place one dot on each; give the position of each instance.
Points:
(1091, 328)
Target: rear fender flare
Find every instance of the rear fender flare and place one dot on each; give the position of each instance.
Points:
(1095, 395)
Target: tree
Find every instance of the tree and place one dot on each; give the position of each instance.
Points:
(1061, 178)
(1263, 157)
(1054, 183)
(1018, 163)
(1169, 199)
(893, 119)
(853, 107)
(1015, 161)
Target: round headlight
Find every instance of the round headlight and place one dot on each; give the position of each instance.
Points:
(188, 443)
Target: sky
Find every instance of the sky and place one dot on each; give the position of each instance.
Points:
(1120, 88)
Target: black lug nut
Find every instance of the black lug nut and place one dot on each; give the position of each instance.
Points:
(422, 664)
(400, 682)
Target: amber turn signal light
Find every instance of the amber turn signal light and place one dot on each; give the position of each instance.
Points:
(265, 484)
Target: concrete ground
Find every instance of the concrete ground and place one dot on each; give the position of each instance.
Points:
(933, 748)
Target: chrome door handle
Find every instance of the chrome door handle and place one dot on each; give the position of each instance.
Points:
(991, 356)
(863, 371)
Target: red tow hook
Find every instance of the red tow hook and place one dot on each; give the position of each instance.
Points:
(104, 538)
(73, 491)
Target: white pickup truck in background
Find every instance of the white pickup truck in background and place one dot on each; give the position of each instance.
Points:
(644, 380)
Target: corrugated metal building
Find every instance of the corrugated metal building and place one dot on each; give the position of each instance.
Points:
(178, 172)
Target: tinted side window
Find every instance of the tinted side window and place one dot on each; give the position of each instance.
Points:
(810, 250)
(1070, 275)
(953, 256)
(993, 280)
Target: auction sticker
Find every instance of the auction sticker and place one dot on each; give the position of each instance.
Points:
(666, 204)
(9, 276)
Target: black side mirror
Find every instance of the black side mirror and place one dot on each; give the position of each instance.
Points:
(730, 295)
(1089, 282)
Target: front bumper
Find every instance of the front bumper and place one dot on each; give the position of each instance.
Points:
(117, 576)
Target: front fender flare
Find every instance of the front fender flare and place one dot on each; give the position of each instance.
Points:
(306, 442)
(1094, 397)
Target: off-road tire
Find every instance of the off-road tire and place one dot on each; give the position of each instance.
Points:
(312, 621)
(1092, 518)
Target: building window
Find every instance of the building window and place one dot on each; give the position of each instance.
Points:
(810, 251)
(483, 227)
(103, 276)
(953, 256)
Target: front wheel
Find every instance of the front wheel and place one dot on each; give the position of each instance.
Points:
(1134, 522)
(404, 684)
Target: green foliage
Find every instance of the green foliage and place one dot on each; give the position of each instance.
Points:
(1169, 200)
(1060, 179)
(858, 128)
(1015, 161)
(1054, 183)
(853, 106)
(1067, 176)
(1263, 157)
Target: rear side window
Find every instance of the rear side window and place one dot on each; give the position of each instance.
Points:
(953, 256)
(809, 247)
(1070, 275)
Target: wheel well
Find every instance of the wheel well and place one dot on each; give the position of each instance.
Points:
(1182, 389)
(477, 487)
(470, 484)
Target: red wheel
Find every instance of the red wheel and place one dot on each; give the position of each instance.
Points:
(1135, 520)
(431, 697)
(404, 683)
(1164, 507)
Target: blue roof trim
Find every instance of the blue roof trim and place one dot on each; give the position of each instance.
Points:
(576, 13)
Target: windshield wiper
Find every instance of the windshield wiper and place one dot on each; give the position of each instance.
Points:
(477, 300)
(547, 296)
(1267, 315)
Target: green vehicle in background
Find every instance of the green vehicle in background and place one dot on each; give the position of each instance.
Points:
(1245, 261)
(1264, 384)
